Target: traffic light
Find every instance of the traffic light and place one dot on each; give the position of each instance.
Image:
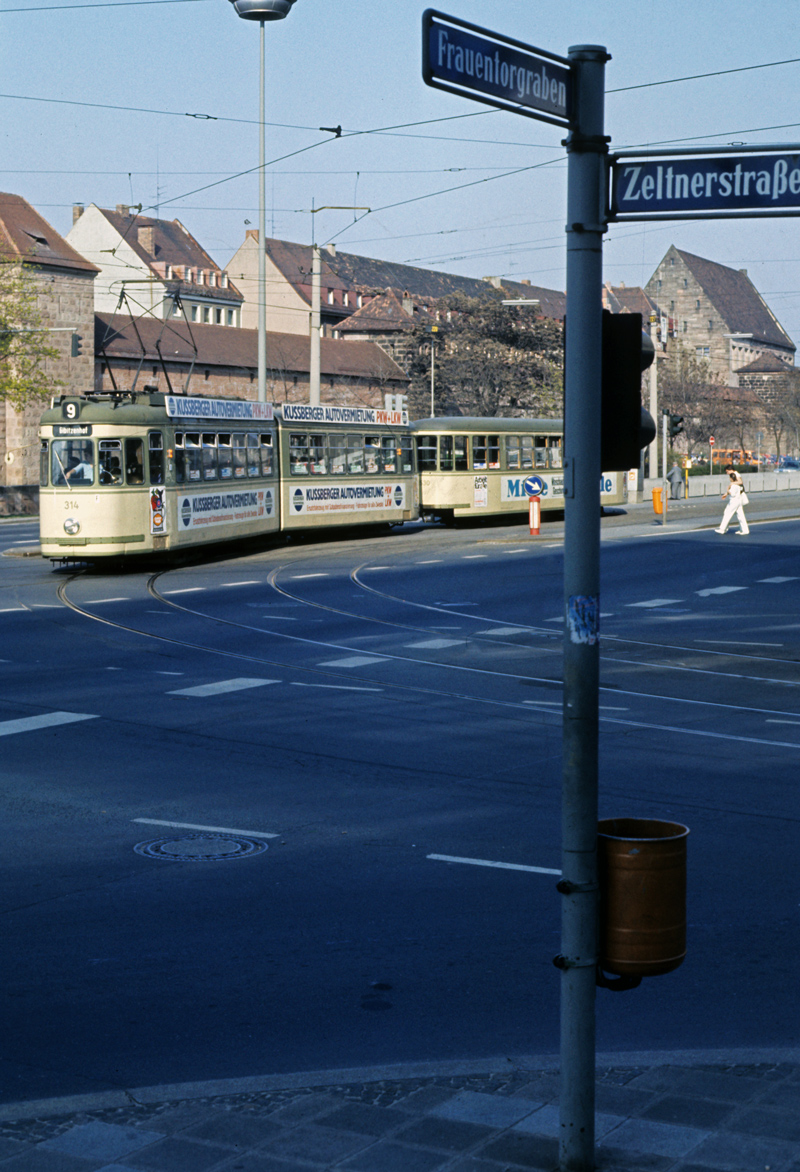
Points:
(675, 425)
(77, 345)
(626, 427)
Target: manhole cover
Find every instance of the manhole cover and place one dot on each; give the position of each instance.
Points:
(200, 848)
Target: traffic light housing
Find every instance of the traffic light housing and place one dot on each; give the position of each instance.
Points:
(674, 425)
(626, 427)
(77, 345)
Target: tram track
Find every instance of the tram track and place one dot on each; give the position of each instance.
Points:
(540, 708)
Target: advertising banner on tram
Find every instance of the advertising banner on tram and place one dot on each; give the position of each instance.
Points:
(346, 498)
(205, 509)
(512, 488)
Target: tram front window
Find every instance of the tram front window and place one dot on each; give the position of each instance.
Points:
(426, 453)
(109, 460)
(72, 462)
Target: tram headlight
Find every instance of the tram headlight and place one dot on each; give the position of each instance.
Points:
(72, 526)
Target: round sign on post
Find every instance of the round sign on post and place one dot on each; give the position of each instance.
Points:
(533, 485)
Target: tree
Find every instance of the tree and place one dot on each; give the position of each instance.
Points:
(687, 387)
(490, 359)
(24, 345)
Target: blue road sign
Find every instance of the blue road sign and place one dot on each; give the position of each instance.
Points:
(677, 185)
(466, 59)
(533, 485)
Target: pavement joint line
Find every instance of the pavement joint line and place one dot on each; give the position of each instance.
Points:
(317, 1079)
(211, 829)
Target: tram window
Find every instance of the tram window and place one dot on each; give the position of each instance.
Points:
(554, 451)
(540, 451)
(44, 457)
(512, 452)
(298, 454)
(355, 454)
(445, 453)
(372, 453)
(209, 455)
(155, 443)
(253, 455)
(389, 453)
(426, 453)
(109, 460)
(479, 451)
(461, 451)
(180, 458)
(134, 461)
(266, 454)
(316, 455)
(194, 455)
(240, 455)
(225, 455)
(406, 453)
(493, 451)
(337, 451)
(72, 462)
(527, 452)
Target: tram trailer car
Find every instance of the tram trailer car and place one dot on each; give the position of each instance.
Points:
(125, 473)
(478, 467)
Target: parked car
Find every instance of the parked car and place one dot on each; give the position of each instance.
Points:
(789, 464)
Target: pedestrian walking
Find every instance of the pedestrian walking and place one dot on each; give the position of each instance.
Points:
(676, 485)
(737, 499)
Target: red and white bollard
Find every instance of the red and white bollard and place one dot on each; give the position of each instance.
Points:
(534, 513)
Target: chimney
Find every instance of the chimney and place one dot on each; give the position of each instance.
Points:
(122, 209)
(145, 238)
(330, 249)
(408, 304)
(524, 281)
(77, 212)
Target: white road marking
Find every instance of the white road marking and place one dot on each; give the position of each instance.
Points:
(518, 550)
(46, 720)
(280, 618)
(468, 557)
(718, 590)
(791, 579)
(377, 567)
(436, 644)
(186, 590)
(487, 863)
(455, 604)
(9, 609)
(254, 582)
(355, 661)
(299, 576)
(430, 562)
(656, 602)
(737, 643)
(334, 687)
(211, 829)
(223, 686)
(33, 541)
(169, 673)
(505, 631)
(94, 601)
(769, 721)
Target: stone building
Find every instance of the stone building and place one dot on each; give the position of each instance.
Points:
(152, 262)
(223, 363)
(65, 298)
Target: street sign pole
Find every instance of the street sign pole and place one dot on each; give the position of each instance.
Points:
(587, 148)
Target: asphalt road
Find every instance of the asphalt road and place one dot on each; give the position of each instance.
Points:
(360, 707)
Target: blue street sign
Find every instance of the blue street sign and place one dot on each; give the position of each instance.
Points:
(533, 485)
(679, 184)
(466, 59)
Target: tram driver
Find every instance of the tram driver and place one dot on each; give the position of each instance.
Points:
(81, 473)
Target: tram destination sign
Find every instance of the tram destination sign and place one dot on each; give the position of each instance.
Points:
(716, 184)
(466, 59)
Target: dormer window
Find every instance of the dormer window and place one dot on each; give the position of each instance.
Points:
(223, 280)
(330, 297)
(188, 275)
(201, 276)
(212, 278)
(169, 273)
(346, 298)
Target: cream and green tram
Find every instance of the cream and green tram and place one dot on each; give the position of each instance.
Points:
(345, 466)
(124, 474)
(478, 467)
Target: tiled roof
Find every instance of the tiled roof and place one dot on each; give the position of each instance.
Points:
(162, 242)
(765, 364)
(347, 271)
(737, 300)
(27, 236)
(228, 347)
(629, 299)
(384, 314)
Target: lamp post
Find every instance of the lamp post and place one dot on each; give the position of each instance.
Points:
(262, 11)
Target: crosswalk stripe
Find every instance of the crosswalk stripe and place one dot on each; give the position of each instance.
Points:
(221, 687)
(45, 720)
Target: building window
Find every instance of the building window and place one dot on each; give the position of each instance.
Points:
(230, 317)
(359, 301)
(697, 303)
(686, 282)
(201, 277)
(206, 376)
(188, 275)
(685, 327)
(223, 280)
(330, 297)
(169, 272)
(703, 351)
(218, 316)
(194, 313)
(711, 323)
(346, 298)
(212, 278)
(206, 314)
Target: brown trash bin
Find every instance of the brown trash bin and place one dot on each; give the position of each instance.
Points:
(641, 866)
(657, 503)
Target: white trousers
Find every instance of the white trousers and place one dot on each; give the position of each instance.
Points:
(732, 507)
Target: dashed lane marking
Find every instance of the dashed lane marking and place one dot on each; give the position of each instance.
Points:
(253, 582)
(334, 687)
(186, 590)
(436, 644)
(46, 720)
(718, 590)
(355, 661)
(211, 829)
(489, 863)
(505, 631)
(777, 580)
(297, 577)
(656, 602)
(218, 689)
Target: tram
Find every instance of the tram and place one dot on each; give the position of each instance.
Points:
(124, 473)
(477, 467)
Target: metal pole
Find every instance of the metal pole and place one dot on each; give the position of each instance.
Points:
(262, 229)
(433, 363)
(663, 467)
(316, 327)
(587, 148)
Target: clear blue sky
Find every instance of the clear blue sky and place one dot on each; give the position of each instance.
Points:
(357, 63)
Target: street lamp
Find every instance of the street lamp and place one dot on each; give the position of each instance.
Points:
(262, 11)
